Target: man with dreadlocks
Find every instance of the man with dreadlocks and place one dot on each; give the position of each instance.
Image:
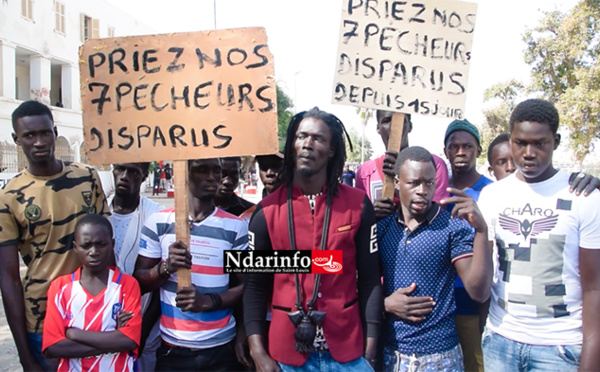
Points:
(318, 322)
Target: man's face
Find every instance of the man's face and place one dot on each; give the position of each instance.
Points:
(269, 169)
(532, 146)
(502, 161)
(384, 125)
(416, 186)
(37, 136)
(204, 177)
(128, 178)
(462, 151)
(312, 147)
(94, 246)
(230, 178)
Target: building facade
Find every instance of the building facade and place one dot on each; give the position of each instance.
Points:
(39, 46)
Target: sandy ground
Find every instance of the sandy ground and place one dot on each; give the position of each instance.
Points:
(9, 360)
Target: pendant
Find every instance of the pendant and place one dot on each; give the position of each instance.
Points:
(306, 329)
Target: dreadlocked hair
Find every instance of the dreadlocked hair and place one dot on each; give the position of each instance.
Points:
(335, 165)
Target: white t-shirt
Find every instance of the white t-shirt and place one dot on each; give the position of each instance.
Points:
(120, 224)
(537, 230)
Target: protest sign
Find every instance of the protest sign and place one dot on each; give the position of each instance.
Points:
(178, 96)
(410, 57)
(406, 57)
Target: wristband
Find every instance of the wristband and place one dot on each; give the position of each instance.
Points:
(165, 273)
(217, 301)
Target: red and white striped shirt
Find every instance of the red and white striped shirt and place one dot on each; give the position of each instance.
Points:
(71, 306)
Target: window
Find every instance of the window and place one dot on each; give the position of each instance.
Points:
(90, 28)
(59, 13)
(27, 9)
(111, 32)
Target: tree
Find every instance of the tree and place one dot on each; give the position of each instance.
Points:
(355, 155)
(283, 115)
(496, 118)
(563, 51)
(365, 114)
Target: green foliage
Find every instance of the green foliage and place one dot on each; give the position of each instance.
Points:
(284, 115)
(365, 114)
(504, 95)
(563, 51)
(354, 156)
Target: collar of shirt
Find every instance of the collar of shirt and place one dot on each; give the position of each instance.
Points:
(434, 211)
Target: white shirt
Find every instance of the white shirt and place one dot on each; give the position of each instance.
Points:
(537, 231)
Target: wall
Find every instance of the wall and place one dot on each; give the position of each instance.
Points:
(38, 37)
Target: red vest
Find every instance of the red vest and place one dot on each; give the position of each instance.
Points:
(337, 293)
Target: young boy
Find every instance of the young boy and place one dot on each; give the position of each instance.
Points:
(93, 316)
(500, 157)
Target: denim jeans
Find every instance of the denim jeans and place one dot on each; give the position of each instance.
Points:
(451, 361)
(501, 354)
(323, 361)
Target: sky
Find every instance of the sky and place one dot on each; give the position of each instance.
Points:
(303, 38)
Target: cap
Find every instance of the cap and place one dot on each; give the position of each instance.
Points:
(277, 155)
(464, 125)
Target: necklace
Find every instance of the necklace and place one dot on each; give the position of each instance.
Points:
(311, 201)
(306, 322)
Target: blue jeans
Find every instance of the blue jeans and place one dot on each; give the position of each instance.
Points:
(323, 361)
(35, 345)
(501, 354)
(451, 361)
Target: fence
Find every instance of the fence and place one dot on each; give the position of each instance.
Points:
(13, 160)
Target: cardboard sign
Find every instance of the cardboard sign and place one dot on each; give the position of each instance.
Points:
(410, 57)
(178, 96)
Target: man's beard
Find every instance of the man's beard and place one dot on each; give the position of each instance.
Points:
(306, 172)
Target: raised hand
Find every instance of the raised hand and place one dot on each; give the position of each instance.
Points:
(465, 208)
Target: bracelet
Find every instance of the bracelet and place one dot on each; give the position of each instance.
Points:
(217, 301)
(165, 270)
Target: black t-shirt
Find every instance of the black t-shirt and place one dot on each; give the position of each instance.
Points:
(168, 173)
(157, 172)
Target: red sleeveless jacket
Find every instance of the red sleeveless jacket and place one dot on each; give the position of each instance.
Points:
(337, 294)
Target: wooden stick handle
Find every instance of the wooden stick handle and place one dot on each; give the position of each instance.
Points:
(182, 222)
(394, 143)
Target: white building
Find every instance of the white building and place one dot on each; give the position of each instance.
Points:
(39, 46)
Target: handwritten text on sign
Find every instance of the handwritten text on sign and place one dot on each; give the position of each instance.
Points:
(178, 96)
(404, 56)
